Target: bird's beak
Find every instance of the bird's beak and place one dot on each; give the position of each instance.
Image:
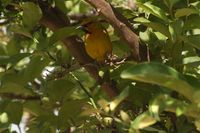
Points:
(83, 29)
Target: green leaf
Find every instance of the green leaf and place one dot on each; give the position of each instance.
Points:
(20, 30)
(69, 110)
(6, 2)
(154, 10)
(47, 118)
(159, 74)
(33, 107)
(15, 88)
(14, 111)
(62, 33)
(3, 104)
(58, 90)
(197, 124)
(193, 40)
(175, 29)
(13, 59)
(185, 12)
(43, 43)
(191, 60)
(63, 56)
(119, 99)
(16, 58)
(124, 116)
(31, 14)
(192, 22)
(156, 26)
(196, 4)
(120, 49)
(166, 103)
(142, 121)
(13, 46)
(35, 67)
(2, 49)
(61, 5)
(4, 60)
(170, 3)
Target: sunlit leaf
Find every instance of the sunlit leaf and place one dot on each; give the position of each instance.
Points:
(185, 12)
(166, 103)
(124, 116)
(61, 5)
(159, 74)
(190, 60)
(197, 124)
(119, 99)
(154, 10)
(156, 26)
(142, 121)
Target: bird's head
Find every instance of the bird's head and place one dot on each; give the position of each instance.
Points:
(90, 25)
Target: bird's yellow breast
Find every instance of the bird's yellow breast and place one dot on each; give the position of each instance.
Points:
(98, 44)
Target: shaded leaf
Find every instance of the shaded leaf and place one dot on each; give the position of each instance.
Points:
(193, 40)
(14, 111)
(20, 30)
(35, 67)
(31, 14)
(13, 46)
(192, 22)
(33, 107)
(10, 87)
(70, 109)
(175, 29)
(62, 33)
(58, 90)
(170, 3)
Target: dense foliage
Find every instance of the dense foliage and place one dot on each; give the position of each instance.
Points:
(45, 89)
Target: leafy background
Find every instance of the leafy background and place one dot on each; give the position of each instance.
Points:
(43, 86)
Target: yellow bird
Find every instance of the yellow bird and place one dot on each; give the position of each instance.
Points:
(97, 42)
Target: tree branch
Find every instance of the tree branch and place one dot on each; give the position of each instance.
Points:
(19, 97)
(55, 19)
(116, 20)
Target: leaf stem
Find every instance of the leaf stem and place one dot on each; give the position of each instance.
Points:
(85, 90)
